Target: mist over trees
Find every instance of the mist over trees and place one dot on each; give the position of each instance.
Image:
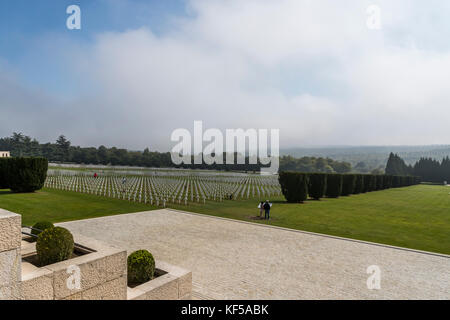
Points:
(62, 150)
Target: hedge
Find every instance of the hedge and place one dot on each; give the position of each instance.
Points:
(387, 181)
(294, 186)
(348, 184)
(317, 185)
(334, 185)
(26, 174)
(359, 184)
(396, 181)
(297, 185)
(379, 182)
(370, 182)
(3, 173)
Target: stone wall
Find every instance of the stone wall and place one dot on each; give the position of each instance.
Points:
(102, 272)
(10, 257)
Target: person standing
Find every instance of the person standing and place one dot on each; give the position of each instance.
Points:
(267, 210)
(261, 208)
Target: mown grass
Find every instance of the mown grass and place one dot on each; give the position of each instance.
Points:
(416, 217)
(59, 206)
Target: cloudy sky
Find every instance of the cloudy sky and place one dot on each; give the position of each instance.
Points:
(137, 70)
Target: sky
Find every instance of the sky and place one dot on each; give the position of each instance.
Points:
(137, 70)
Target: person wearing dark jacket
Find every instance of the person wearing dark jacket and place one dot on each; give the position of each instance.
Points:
(266, 207)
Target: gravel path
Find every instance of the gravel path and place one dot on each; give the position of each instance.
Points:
(237, 260)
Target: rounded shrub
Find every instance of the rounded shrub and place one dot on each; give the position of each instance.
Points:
(26, 174)
(53, 245)
(40, 226)
(141, 266)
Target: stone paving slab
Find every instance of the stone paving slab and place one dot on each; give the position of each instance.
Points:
(237, 260)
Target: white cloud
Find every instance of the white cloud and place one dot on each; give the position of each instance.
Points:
(227, 65)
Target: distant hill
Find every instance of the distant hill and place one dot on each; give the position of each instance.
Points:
(372, 156)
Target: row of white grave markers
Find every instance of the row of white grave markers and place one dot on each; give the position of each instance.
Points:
(161, 190)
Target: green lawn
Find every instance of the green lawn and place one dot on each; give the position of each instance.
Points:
(58, 206)
(415, 217)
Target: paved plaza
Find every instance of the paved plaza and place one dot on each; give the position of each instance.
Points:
(238, 260)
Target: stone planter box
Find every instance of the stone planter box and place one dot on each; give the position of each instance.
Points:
(173, 283)
(103, 272)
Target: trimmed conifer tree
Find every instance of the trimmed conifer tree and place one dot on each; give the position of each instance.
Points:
(294, 186)
(348, 184)
(359, 184)
(317, 185)
(379, 182)
(4, 184)
(387, 181)
(26, 174)
(334, 185)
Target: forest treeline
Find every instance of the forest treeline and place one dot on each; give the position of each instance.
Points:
(62, 151)
(428, 169)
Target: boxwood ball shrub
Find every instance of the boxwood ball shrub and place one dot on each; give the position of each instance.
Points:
(26, 174)
(141, 266)
(54, 245)
(317, 185)
(41, 225)
(334, 185)
(348, 184)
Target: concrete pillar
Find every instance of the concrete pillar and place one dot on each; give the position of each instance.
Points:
(10, 257)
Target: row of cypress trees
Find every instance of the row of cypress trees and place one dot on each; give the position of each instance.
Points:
(298, 186)
(23, 174)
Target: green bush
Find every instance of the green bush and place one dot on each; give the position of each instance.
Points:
(317, 185)
(348, 184)
(141, 267)
(294, 186)
(4, 184)
(370, 182)
(359, 184)
(334, 185)
(396, 181)
(41, 225)
(379, 182)
(387, 181)
(54, 245)
(26, 174)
